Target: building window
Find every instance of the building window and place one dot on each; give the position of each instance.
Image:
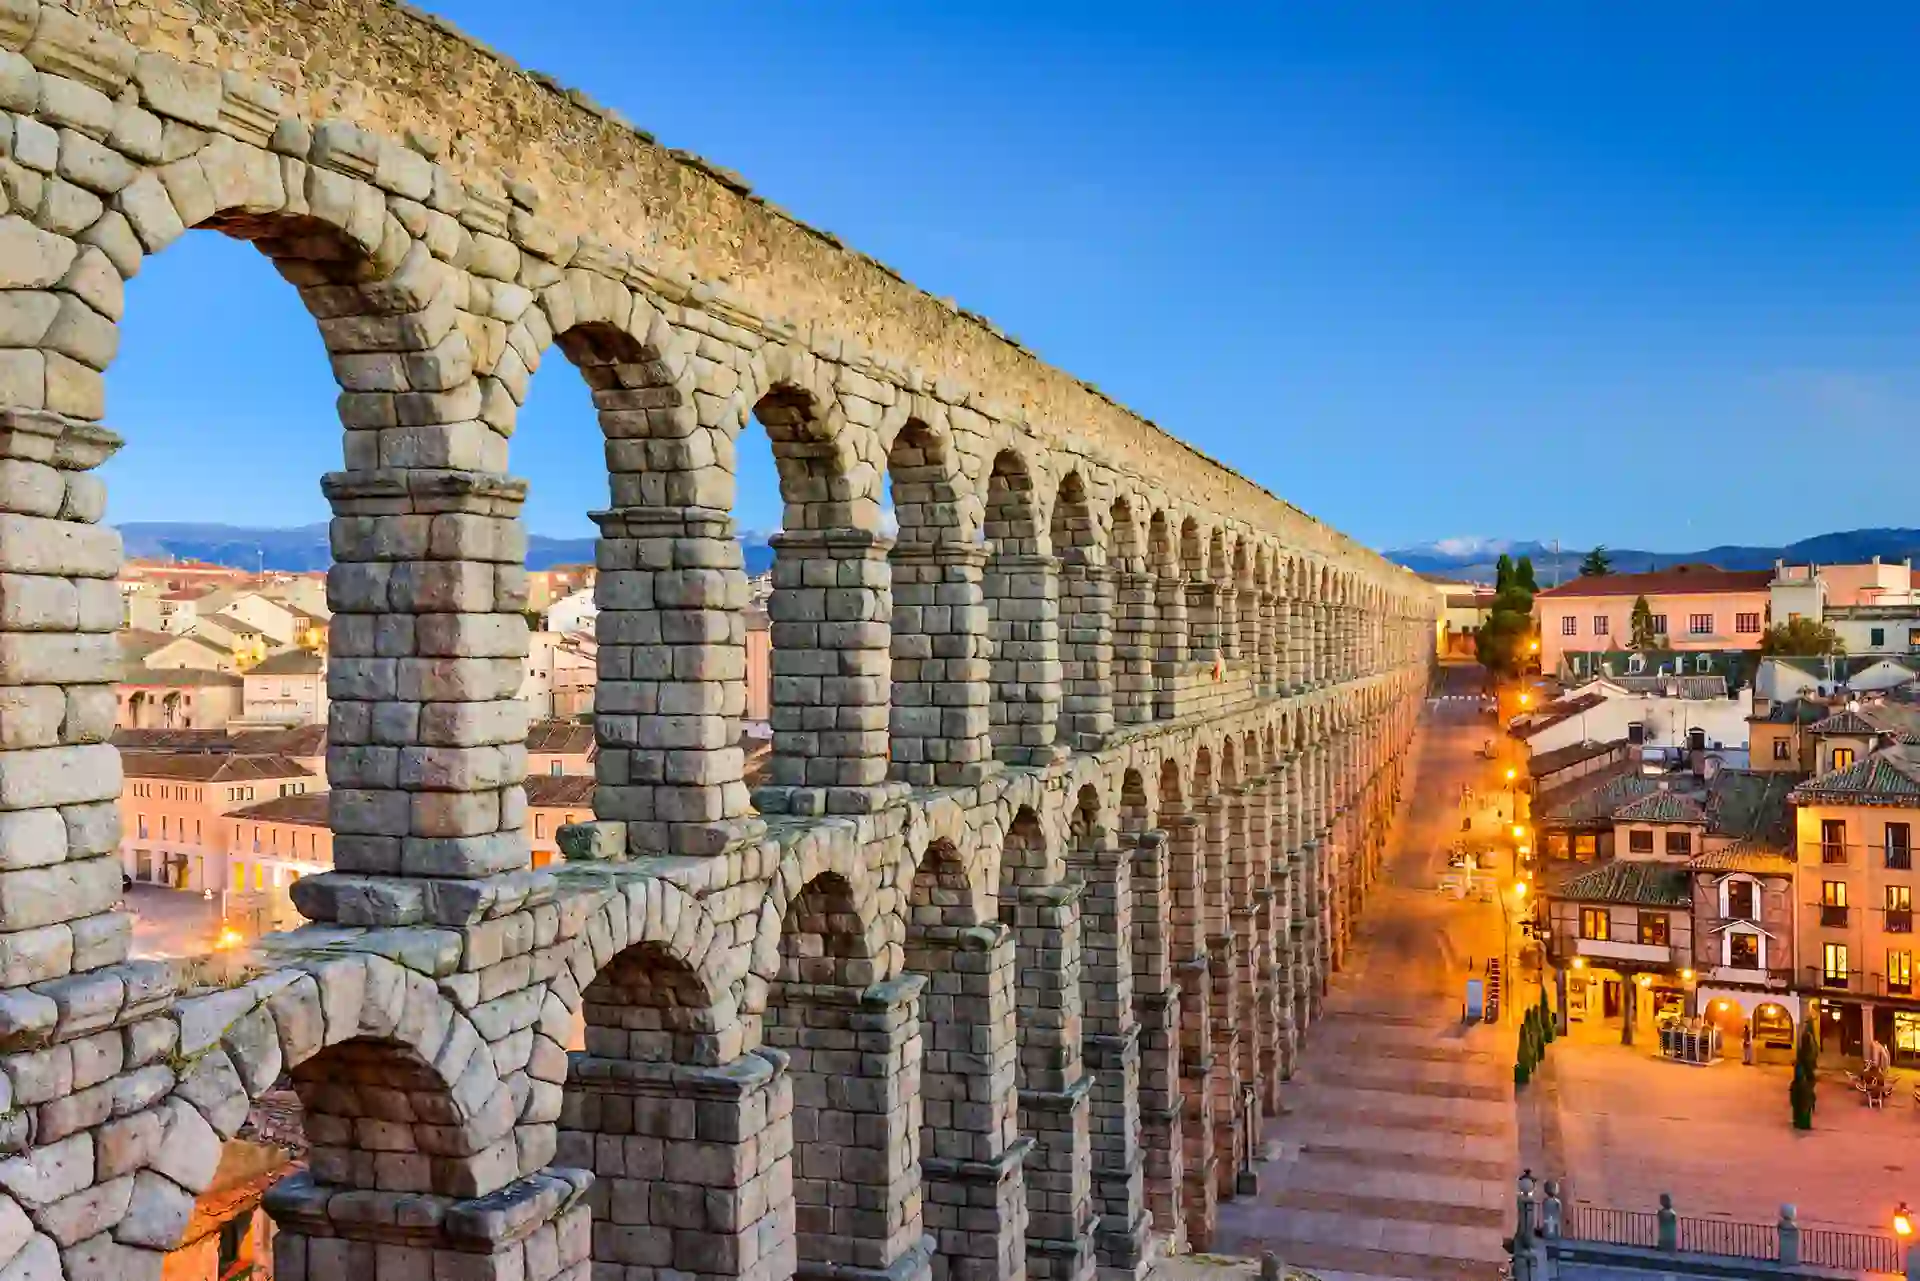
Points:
(1599, 624)
(1833, 840)
(1742, 902)
(1569, 625)
(1653, 929)
(1913, 638)
(1704, 663)
(1636, 731)
(1680, 844)
(1743, 951)
(539, 827)
(1834, 969)
(1746, 624)
(1700, 624)
(1779, 749)
(1842, 757)
(1659, 624)
(1585, 845)
(1899, 909)
(1595, 924)
(1833, 904)
(1876, 638)
(1899, 971)
(1899, 847)
(553, 767)
(1639, 841)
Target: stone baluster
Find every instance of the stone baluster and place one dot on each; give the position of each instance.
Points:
(1111, 1050)
(941, 666)
(1156, 1003)
(671, 690)
(1086, 653)
(1055, 1090)
(1023, 609)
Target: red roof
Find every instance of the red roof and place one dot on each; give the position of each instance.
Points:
(1678, 578)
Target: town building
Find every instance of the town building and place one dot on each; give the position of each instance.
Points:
(173, 825)
(289, 688)
(1833, 675)
(1695, 713)
(546, 586)
(1855, 826)
(1778, 737)
(1694, 607)
(561, 669)
(1464, 606)
(1873, 608)
(560, 747)
(179, 698)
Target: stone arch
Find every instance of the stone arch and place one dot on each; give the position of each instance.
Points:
(940, 641)
(1021, 590)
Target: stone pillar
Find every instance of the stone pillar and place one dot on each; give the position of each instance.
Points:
(1111, 1052)
(1267, 643)
(1054, 1087)
(1156, 1002)
(1170, 603)
(426, 737)
(1023, 611)
(1322, 643)
(1086, 655)
(692, 1165)
(1251, 899)
(1203, 618)
(971, 1150)
(672, 681)
(535, 1229)
(832, 668)
(59, 658)
(1227, 608)
(941, 690)
(856, 1056)
(1226, 841)
(1134, 644)
(1277, 1058)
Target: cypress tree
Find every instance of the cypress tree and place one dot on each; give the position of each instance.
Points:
(1806, 1058)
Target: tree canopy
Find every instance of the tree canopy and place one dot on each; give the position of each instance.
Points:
(1596, 563)
(1799, 637)
(1640, 627)
(1501, 642)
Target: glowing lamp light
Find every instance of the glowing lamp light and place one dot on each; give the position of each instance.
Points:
(1526, 849)
(1646, 980)
(1719, 1005)
(1525, 698)
(1511, 775)
(229, 938)
(1533, 647)
(1579, 962)
(1520, 889)
(1686, 976)
(1902, 1220)
(1518, 831)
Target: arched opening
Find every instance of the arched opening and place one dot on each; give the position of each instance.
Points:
(376, 1115)
(1203, 619)
(940, 691)
(971, 1154)
(1022, 618)
(1191, 880)
(854, 1046)
(1246, 608)
(831, 610)
(1086, 620)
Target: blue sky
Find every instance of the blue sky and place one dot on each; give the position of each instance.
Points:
(1606, 273)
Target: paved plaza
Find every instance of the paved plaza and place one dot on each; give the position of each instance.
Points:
(1395, 1153)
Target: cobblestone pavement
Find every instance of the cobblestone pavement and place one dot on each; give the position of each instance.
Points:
(1395, 1153)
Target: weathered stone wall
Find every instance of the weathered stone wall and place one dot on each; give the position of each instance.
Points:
(1078, 784)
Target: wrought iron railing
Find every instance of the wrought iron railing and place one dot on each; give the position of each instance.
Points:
(1775, 1242)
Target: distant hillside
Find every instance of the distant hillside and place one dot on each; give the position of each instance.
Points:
(305, 547)
(1474, 559)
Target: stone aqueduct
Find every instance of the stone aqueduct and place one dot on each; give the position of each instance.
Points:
(1079, 781)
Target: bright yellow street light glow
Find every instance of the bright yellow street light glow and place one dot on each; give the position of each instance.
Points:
(1686, 976)
(1511, 775)
(1525, 698)
(1519, 889)
(1719, 1005)
(1533, 647)
(1579, 962)
(229, 938)
(1902, 1220)
(1518, 831)
(1526, 849)
(1646, 980)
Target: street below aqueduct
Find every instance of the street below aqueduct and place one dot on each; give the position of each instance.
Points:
(1396, 1149)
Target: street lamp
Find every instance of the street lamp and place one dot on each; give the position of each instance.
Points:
(1902, 1221)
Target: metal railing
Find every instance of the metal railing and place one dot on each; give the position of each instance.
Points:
(1782, 1242)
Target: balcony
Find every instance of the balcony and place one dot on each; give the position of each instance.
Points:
(1859, 982)
(1832, 917)
(1619, 950)
(1747, 975)
(1899, 920)
(1832, 852)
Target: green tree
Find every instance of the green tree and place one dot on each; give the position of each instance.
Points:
(1806, 1058)
(1523, 575)
(1503, 573)
(1546, 1017)
(1640, 628)
(1596, 563)
(1799, 637)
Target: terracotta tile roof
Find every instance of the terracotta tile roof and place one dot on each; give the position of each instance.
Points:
(301, 740)
(308, 809)
(1890, 776)
(1677, 578)
(560, 791)
(173, 740)
(1630, 881)
(1585, 804)
(1792, 711)
(294, 662)
(1543, 763)
(1555, 712)
(1662, 807)
(559, 736)
(1753, 808)
(1902, 720)
(1742, 856)
(176, 677)
(210, 767)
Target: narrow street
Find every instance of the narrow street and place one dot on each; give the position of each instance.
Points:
(1396, 1150)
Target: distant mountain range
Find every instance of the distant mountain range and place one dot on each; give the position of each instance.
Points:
(306, 547)
(1473, 559)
